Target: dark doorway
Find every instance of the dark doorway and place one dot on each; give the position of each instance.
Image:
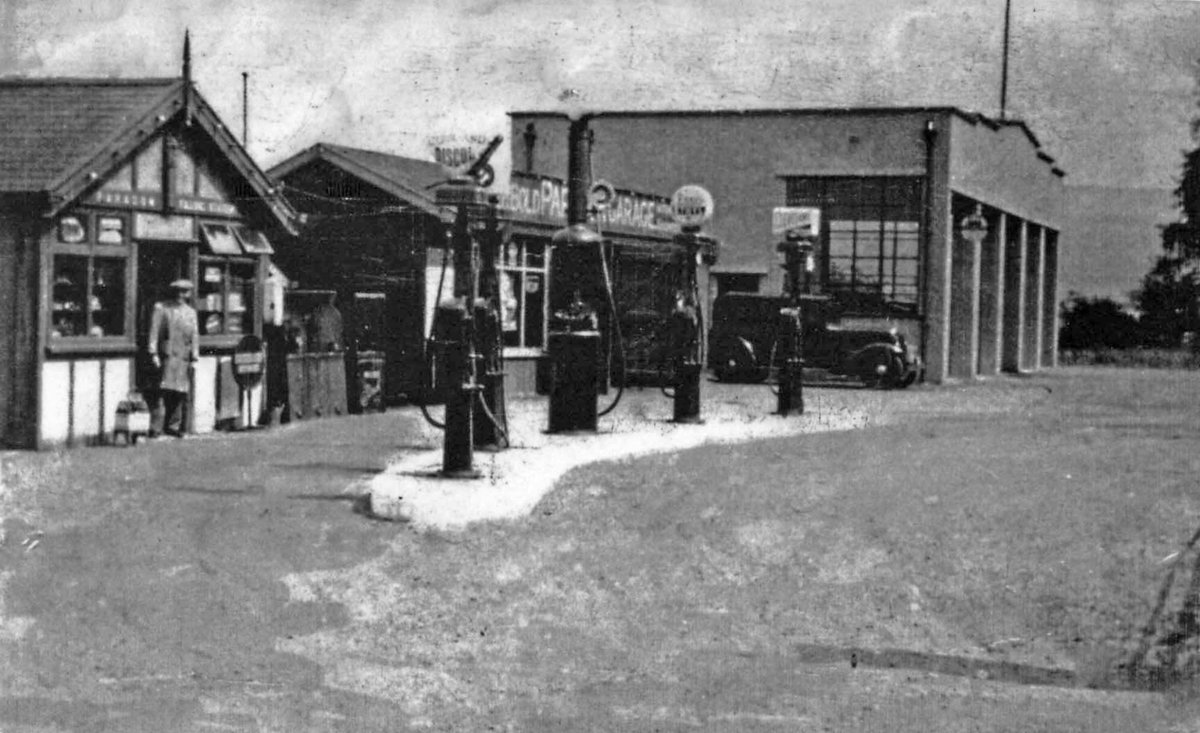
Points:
(158, 265)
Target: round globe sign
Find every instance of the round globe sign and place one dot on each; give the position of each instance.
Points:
(691, 205)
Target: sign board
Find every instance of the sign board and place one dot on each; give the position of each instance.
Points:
(691, 205)
(801, 221)
(456, 153)
(545, 199)
(169, 228)
(249, 362)
(152, 201)
(466, 155)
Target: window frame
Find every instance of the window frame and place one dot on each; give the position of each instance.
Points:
(882, 212)
(90, 250)
(523, 348)
(251, 304)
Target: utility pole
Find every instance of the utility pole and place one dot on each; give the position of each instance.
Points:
(245, 108)
(1004, 63)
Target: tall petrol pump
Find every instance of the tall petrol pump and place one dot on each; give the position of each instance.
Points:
(691, 206)
(459, 317)
(578, 299)
(490, 414)
(797, 250)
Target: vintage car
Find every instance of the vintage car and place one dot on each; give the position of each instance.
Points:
(743, 343)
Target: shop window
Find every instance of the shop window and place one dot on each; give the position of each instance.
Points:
(88, 296)
(523, 294)
(871, 242)
(88, 279)
(225, 297)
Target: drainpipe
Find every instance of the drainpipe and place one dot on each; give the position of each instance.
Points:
(930, 134)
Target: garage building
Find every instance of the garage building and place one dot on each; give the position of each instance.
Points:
(895, 187)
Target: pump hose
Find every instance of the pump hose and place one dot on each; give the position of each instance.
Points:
(770, 366)
(616, 321)
(427, 362)
(427, 380)
(494, 421)
(499, 353)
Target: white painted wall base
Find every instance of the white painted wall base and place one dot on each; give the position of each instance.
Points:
(79, 399)
(204, 395)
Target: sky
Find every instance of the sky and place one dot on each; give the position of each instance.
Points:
(1108, 86)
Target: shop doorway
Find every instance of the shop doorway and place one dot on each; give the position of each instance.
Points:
(158, 265)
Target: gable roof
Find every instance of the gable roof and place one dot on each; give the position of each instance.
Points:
(59, 136)
(48, 127)
(408, 179)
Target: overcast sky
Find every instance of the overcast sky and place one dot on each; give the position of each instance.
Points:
(1107, 85)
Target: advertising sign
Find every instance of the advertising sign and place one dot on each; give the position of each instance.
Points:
(249, 361)
(546, 199)
(170, 228)
(798, 221)
(602, 195)
(691, 205)
(456, 153)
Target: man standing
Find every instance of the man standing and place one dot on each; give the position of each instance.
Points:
(174, 346)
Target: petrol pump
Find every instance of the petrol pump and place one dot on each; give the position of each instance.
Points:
(490, 415)
(465, 317)
(578, 299)
(691, 206)
(797, 250)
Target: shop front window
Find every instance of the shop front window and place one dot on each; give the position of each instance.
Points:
(523, 294)
(871, 243)
(89, 296)
(88, 292)
(225, 297)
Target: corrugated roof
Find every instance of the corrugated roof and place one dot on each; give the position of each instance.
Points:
(49, 127)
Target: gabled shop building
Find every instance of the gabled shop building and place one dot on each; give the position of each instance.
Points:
(110, 189)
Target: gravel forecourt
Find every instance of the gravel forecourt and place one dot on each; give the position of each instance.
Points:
(961, 558)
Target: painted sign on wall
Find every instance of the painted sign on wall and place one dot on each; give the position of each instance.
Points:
(545, 199)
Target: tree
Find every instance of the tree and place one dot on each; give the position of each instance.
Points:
(1170, 295)
(1094, 323)
(1168, 300)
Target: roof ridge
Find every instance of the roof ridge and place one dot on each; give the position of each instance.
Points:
(81, 81)
(339, 146)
